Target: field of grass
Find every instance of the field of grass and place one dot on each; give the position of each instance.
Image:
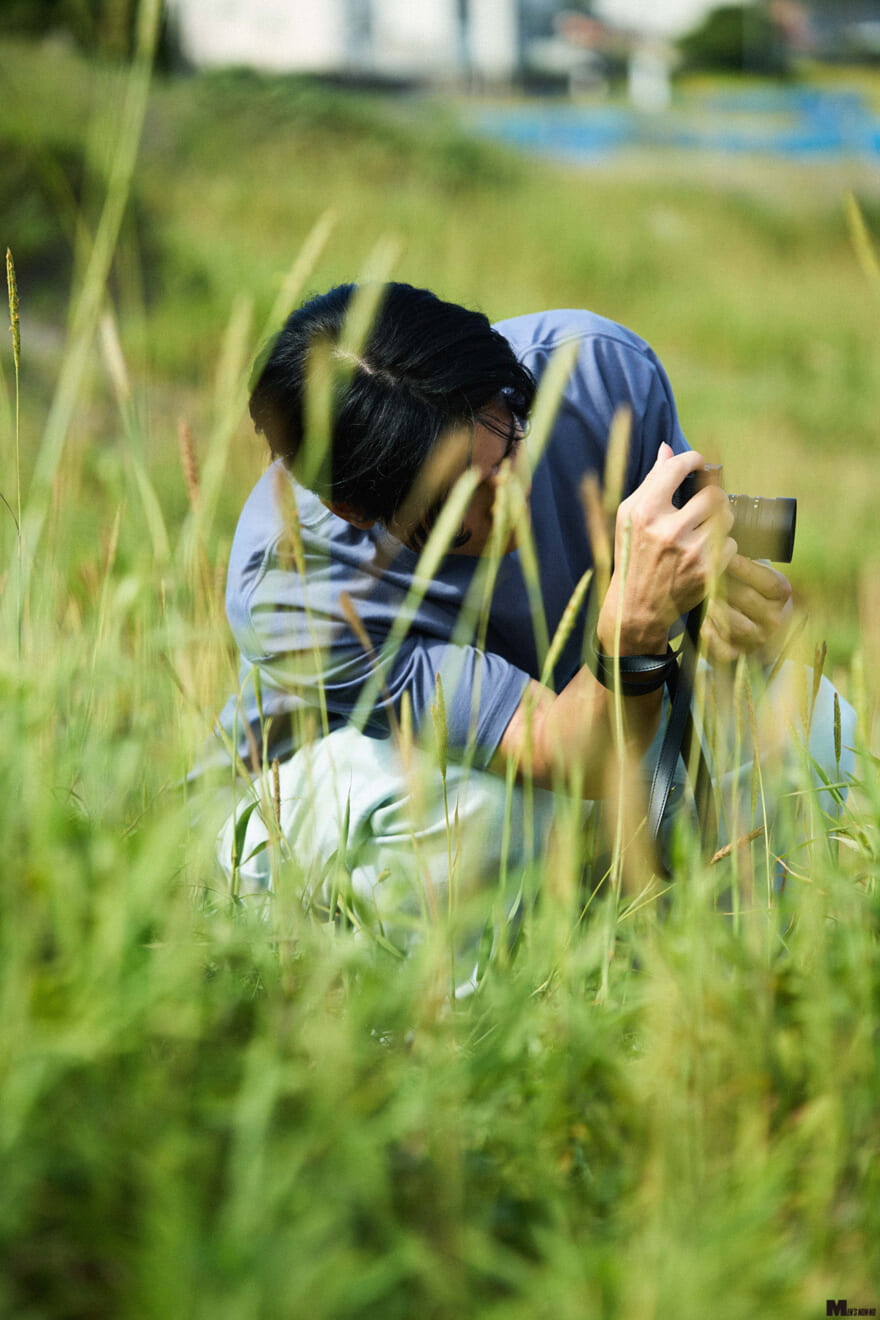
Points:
(206, 1113)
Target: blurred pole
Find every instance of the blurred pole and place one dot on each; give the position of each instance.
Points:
(493, 40)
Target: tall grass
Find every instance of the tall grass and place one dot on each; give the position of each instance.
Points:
(235, 173)
(208, 1111)
(15, 329)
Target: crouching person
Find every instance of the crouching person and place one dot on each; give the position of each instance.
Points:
(422, 692)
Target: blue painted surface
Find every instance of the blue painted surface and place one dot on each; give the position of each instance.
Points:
(798, 123)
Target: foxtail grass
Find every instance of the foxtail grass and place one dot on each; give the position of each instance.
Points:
(90, 296)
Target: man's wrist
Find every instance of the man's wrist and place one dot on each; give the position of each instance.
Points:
(638, 636)
(633, 639)
(636, 674)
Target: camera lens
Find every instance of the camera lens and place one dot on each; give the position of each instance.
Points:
(762, 528)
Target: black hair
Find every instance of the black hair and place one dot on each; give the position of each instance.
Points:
(426, 368)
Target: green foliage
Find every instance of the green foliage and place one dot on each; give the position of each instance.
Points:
(741, 38)
(107, 28)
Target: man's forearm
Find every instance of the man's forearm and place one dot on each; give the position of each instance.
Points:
(574, 738)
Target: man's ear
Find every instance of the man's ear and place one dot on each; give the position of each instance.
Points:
(350, 515)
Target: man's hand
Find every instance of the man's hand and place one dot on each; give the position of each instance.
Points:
(675, 555)
(749, 614)
(674, 558)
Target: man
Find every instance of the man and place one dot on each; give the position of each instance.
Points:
(345, 645)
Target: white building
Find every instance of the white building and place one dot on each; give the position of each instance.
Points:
(424, 39)
(660, 18)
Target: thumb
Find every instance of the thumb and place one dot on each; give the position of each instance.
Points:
(664, 453)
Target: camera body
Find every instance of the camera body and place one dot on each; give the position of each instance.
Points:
(762, 528)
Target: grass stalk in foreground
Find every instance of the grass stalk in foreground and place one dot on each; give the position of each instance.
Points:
(15, 327)
(87, 306)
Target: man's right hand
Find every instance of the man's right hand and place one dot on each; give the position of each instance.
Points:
(674, 555)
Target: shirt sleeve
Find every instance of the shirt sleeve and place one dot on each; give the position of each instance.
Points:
(308, 656)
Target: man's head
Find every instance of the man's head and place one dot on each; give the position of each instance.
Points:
(428, 372)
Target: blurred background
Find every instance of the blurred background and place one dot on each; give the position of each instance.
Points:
(707, 174)
(210, 1114)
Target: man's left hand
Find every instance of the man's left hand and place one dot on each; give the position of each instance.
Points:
(749, 614)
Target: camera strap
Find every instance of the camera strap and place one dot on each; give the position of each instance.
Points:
(679, 740)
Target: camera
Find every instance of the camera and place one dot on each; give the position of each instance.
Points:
(762, 528)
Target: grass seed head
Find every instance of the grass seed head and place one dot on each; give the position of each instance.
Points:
(190, 462)
(14, 321)
(819, 658)
(276, 791)
(438, 714)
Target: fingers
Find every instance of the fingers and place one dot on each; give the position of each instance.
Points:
(749, 602)
(705, 522)
(737, 632)
(727, 554)
(710, 503)
(676, 555)
(756, 591)
(745, 618)
(664, 479)
(767, 581)
(670, 470)
(719, 649)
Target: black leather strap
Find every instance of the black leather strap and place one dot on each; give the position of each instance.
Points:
(678, 741)
(639, 674)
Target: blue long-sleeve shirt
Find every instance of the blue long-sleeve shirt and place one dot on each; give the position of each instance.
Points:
(294, 631)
